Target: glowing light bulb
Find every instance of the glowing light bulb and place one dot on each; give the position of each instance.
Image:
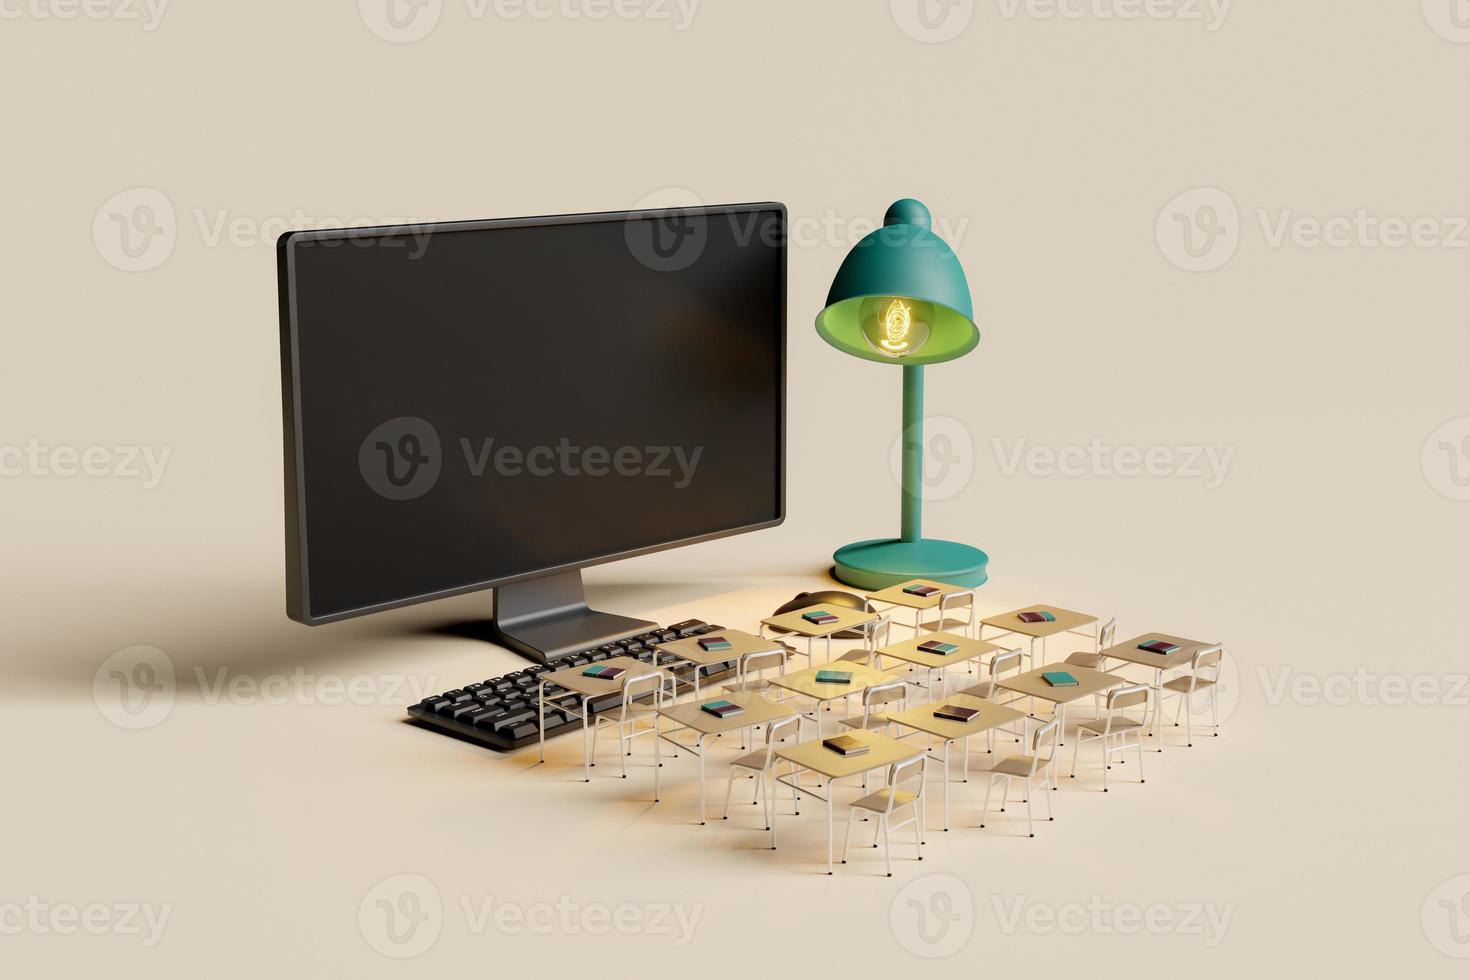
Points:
(896, 326)
(896, 323)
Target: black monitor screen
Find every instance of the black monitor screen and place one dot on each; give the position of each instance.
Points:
(470, 403)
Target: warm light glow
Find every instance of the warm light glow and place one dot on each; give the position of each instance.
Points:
(896, 323)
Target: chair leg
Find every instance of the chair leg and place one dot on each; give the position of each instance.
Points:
(918, 831)
(729, 789)
(1029, 831)
(847, 837)
(887, 847)
(989, 785)
(1076, 747)
(1139, 737)
(622, 754)
(1215, 708)
(1005, 793)
(1188, 702)
(1106, 765)
(1049, 779)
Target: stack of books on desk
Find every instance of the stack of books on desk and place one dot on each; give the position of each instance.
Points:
(845, 745)
(834, 677)
(1037, 616)
(1059, 678)
(722, 708)
(819, 618)
(712, 643)
(604, 672)
(922, 591)
(1163, 647)
(954, 712)
(939, 647)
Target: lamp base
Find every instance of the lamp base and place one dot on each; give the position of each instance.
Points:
(882, 562)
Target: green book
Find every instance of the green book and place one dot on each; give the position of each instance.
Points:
(834, 677)
(1059, 678)
(604, 672)
(939, 647)
(722, 708)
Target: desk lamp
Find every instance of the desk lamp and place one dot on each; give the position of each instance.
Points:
(900, 297)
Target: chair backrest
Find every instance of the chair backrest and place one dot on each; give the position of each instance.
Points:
(1109, 631)
(1050, 732)
(1005, 661)
(1202, 661)
(775, 732)
(959, 599)
(885, 694)
(1120, 699)
(763, 660)
(636, 686)
(884, 625)
(901, 772)
(1208, 657)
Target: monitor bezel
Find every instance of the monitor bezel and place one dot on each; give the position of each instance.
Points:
(298, 579)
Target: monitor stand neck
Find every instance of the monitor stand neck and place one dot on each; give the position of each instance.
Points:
(545, 617)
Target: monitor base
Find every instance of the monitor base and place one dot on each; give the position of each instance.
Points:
(545, 617)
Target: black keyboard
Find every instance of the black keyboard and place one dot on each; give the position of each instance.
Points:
(501, 712)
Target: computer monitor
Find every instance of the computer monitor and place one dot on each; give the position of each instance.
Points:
(502, 403)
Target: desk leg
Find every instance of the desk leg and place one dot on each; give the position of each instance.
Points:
(699, 746)
(829, 826)
(1158, 704)
(771, 792)
(657, 752)
(541, 717)
(587, 746)
(947, 744)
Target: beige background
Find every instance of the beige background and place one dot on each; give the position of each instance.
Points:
(1051, 148)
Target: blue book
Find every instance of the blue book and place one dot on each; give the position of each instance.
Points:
(1059, 678)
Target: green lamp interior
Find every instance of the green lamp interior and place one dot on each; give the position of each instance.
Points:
(901, 297)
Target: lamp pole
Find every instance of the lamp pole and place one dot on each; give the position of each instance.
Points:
(912, 526)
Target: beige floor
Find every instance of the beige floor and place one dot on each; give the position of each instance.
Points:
(265, 826)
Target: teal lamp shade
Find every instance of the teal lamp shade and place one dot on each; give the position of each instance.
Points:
(900, 296)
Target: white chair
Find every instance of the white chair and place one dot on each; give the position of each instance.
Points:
(633, 709)
(761, 765)
(1115, 727)
(1204, 679)
(886, 803)
(1001, 663)
(955, 602)
(878, 696)
(1093, 659)
(748, 669)
(1027, 768)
